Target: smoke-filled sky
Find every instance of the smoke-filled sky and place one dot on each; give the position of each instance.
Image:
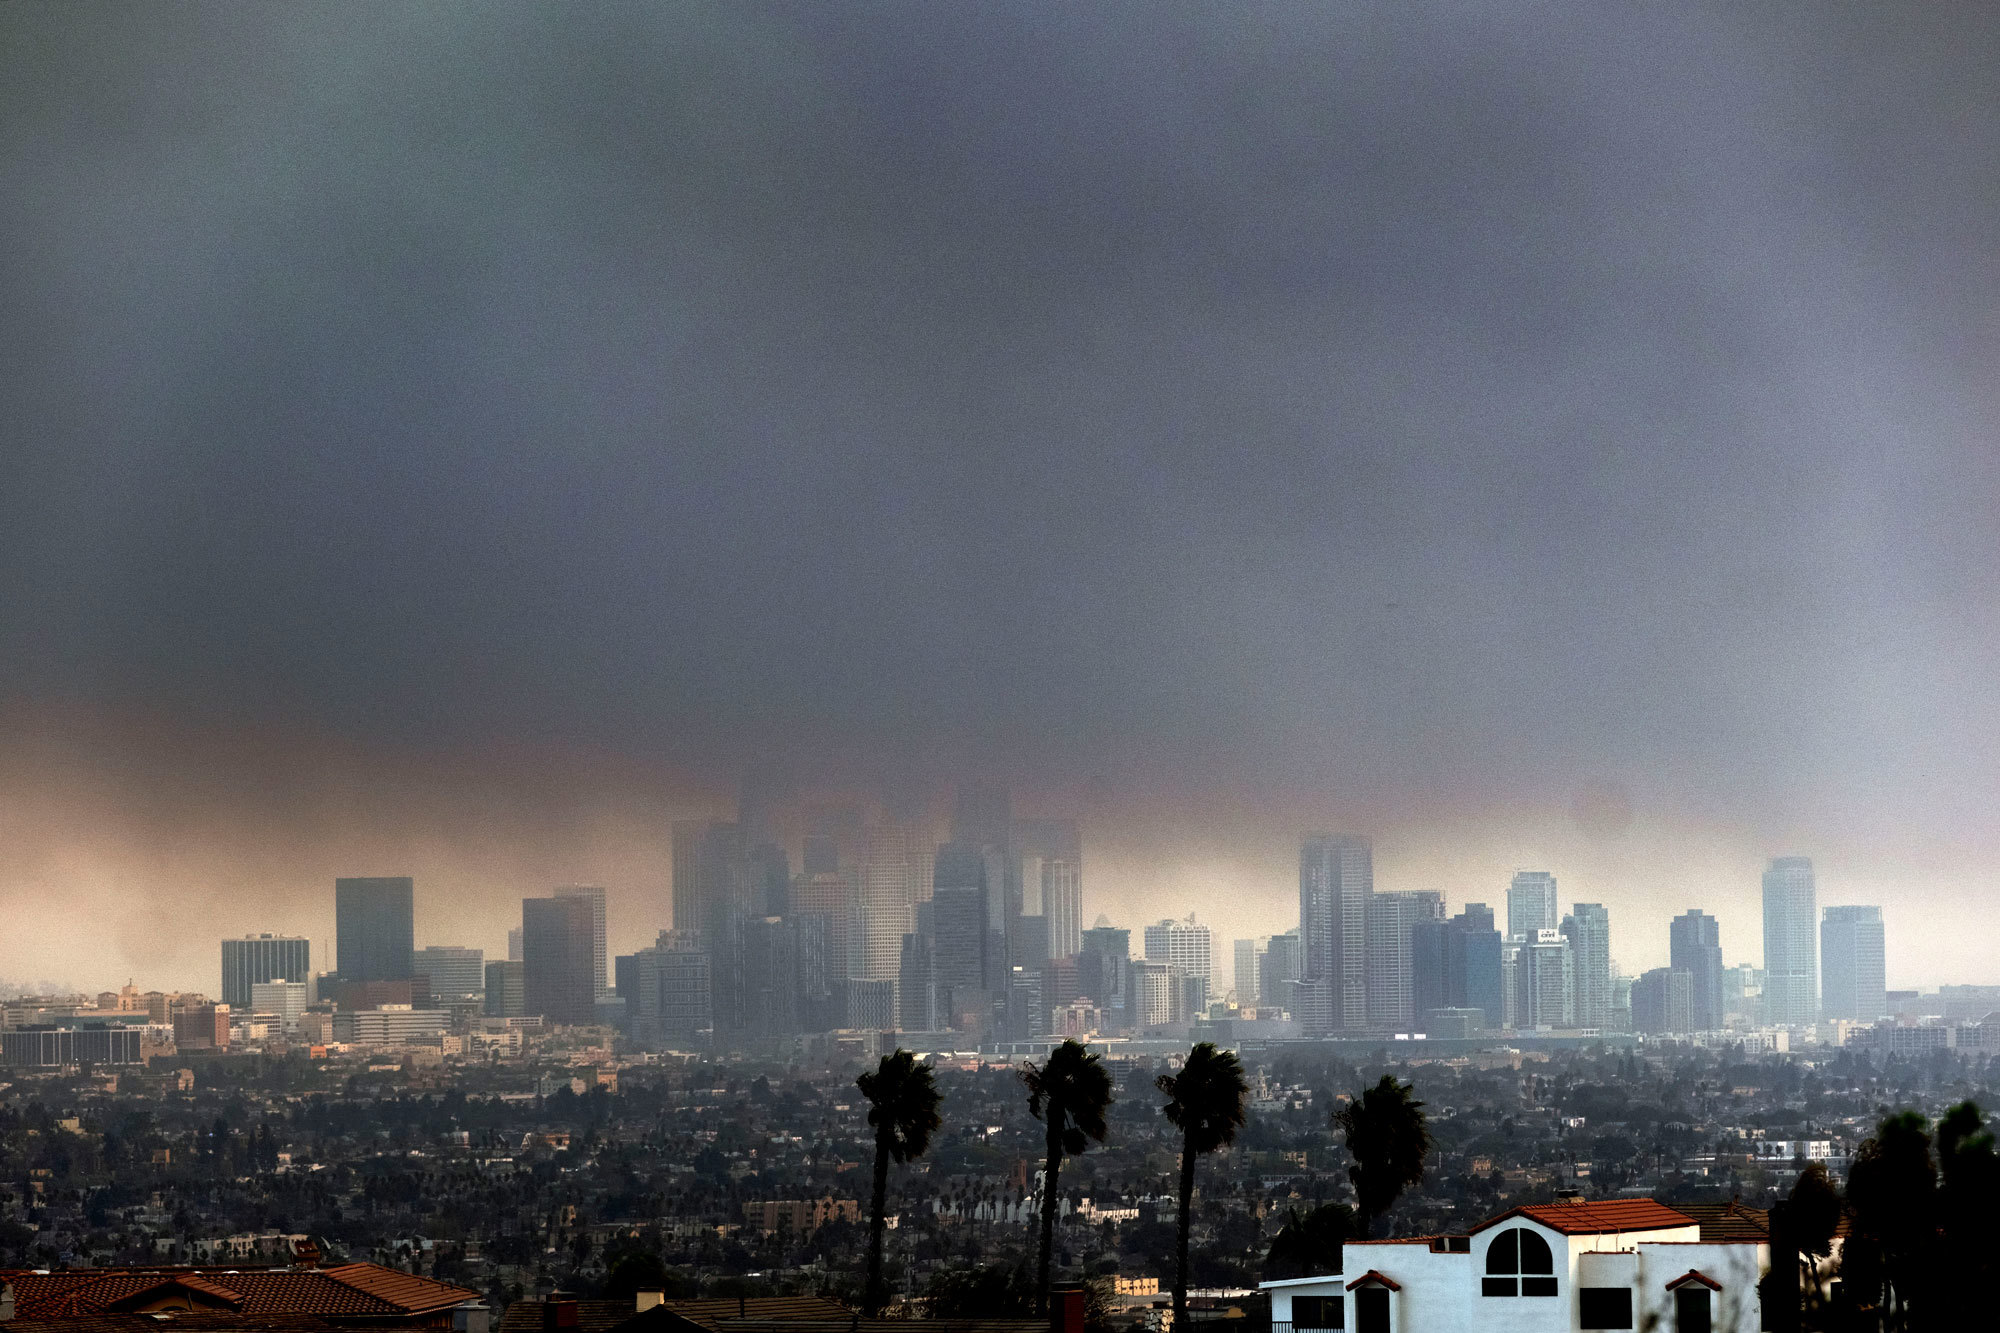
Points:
(458, 439)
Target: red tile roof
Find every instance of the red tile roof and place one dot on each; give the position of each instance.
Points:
(1372, 1276)
(349, 1290)
(1583, 1217)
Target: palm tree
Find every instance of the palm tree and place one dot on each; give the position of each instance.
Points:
(1388, 1139)
(1070, 1092)
(903, 1107)
(1204, 1102)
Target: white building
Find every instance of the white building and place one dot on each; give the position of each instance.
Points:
(1572, 1265)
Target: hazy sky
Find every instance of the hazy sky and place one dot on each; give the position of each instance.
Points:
(457, 439)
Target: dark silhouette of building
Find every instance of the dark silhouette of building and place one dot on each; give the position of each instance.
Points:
(1336, 880)
(556, 964)
(374, 927)
(1694, 942)
(1455, 964)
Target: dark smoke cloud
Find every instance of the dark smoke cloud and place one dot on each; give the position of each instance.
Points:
(1526, 431)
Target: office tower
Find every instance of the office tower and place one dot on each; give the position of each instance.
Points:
(820, 987)
(1791, 953)
(960, 941)
(1152, 993)
(1853, 956)
(1030, 946)
(833, 895)
(1104, 973)
(1062, 904)
(871, 1005)
(453, 973)
(1662, 1001)
(514, 944)
(666, 992)
(1694, 946)
(256, 958)
(1186, 945)
(556, 976)
(374, 922)
(770, 985)
(1455, 964)
(1392, 919)
(1248, 961)
(1336, 879)
(202, 1027)
(687, 840)
(1027, 1016)
(1743, 993)
(506, 992)
(594, 895)
(895, 862)
(284, 1000)
(1531, 904)
(1281, 964)
(770, 879)
(1588, 930)
(916, 985)
(1056, 846)
(1545, 982)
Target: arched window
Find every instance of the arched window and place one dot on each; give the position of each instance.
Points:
(1518, 1263)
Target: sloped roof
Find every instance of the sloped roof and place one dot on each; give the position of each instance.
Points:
(1584, 1217)
(1694, 1276)
(181, 1321)
(1372, 1276)
(366, 1290)
(1728, 1221)
(714, 1312)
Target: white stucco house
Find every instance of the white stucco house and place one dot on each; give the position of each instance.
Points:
(1545, 1268)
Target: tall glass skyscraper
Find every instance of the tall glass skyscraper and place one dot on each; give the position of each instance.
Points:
(1336, 880)
(259, 958)
(1852, 950)
(1531, 904)
(1694, 946)
(1588, 930)
(1791, 943)
(374, 925)
(556, 940)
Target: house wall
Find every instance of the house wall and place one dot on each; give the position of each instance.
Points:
(1737, 1266)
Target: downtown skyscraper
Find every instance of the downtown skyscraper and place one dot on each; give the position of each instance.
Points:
(1531, 904)
(1853, 959)
(1336, 880)
(1694, 946)
(374, 927)
(1791, 943)
(1588, 930)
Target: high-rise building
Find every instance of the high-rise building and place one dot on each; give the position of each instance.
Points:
(1280, 964)
(770, 977)
(1185, 945)
(1392, 920)
(1152, 993)
(556, 976)
(594, 895)
(917, 984)
(960, 942)
(454, 973)
(895, 863)
(284, 999)
(1694, 946)
(374, 922)
(506, 992)
(1545, 982)
(666, 992)
(1588, 930)
(832, 895)
(1854, 964)
(1531, 904)
(514, 944)
(1662, 1001)
(1455, 964)
(1051, 854)
(1249, 959)
(1791, 940)
(256, 958)
(1104, 973)
(1062, 904)
(1336, 879)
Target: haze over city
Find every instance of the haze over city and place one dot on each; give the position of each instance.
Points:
(1556, 439)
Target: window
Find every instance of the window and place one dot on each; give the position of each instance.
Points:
(1691, 1309)
(1604, 1307)
(1371, 1310)
(1316, 1312)
(1518, 1263)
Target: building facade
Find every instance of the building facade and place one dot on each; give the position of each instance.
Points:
(374, 922)
(1336, 880)
(556, 973)
(1531, 904)
(256, 958)
(1588, 930)
(1853, 964)
(1791, 943)
(1694, 946)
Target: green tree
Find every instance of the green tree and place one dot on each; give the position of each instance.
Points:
(1310, 1244)
(1892, 1189)
(1970, 1181)
(1069, 1092)
(1204, 1102)
(903, 1105)
(1387, 1141)
(1802, 1231)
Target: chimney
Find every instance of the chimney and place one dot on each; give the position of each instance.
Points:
(6, 1302)
(648, 1299)
(1066, 1310)
(558, 1312)
(471, 1317)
